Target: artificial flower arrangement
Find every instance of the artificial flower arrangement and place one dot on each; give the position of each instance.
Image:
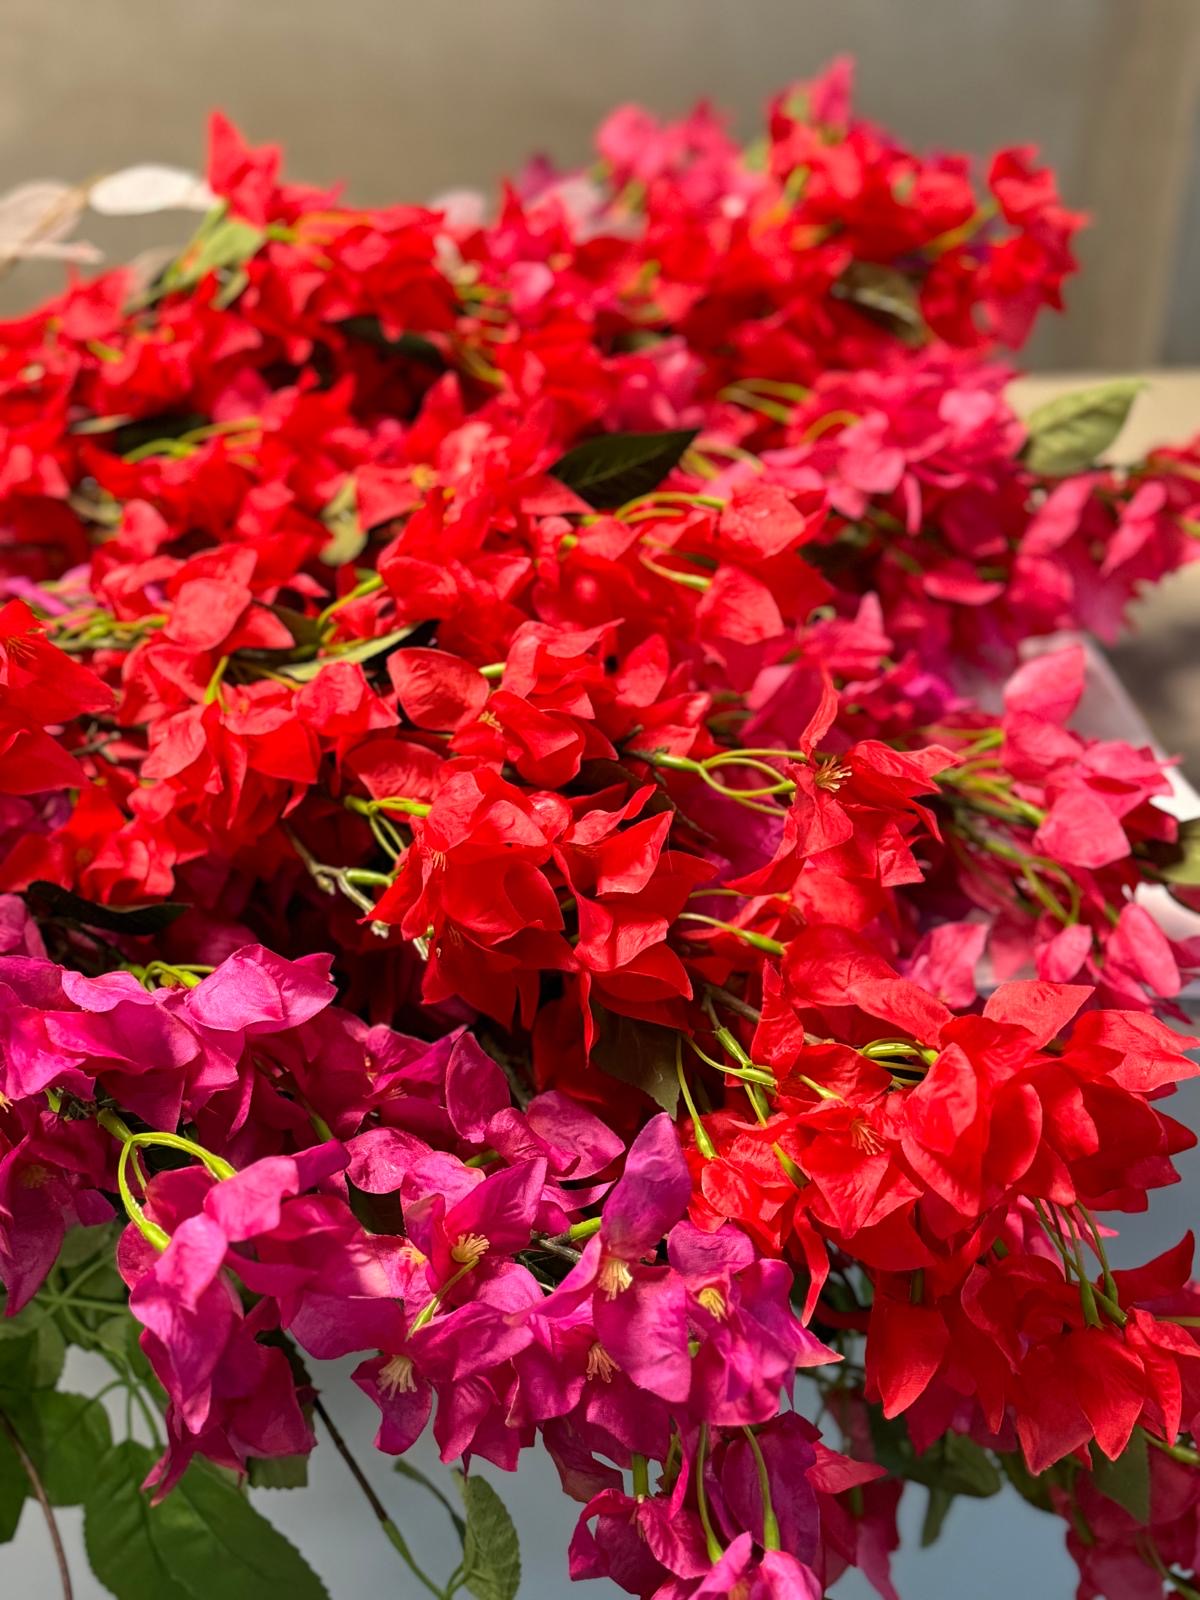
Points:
(532, 856)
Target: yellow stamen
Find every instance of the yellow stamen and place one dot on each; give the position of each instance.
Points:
(600, 1364)
(469, 1248)
(615, 1277)
(713, 1302)
(864, 1137)
(396, 1376)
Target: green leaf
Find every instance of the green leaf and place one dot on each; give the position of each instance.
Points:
(278, 1472)
(113, 1335)
(886, 294)
(640, 1053)
(52, 900)
(83, 1245)
(491, 1567)
(33, 1359)
(126, 1538)
(936, 1512)
(306, 631)
(616, 467)
(1036, 1490)
(966, 1467)
(65, 1435)
(14, 1485)
(415, 345)
(955, 1463)
(205, 1538)
(1070, 433)
(1127, 1479)
(364, 650)
(1179, 862)
(221, 242)
(377, 1213)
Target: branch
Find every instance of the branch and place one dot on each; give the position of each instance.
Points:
(376, 1504)
(39, 1489)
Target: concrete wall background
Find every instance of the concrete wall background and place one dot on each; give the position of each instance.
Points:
(402, 98)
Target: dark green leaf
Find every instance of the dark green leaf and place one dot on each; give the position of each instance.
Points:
(955, 1463)
(640, 1053)
(890, 1444)
(886, 294)
(365, 650)
(1036, 1490)
(936, 1512)
(491, 1567)
(65, 1435)
(1127, 1479)
(52, 900)
(1071, 433)
(126, 1538)
(278, 1472)
(306, 631)
(33, 1359)
(83, 1245)
(205, 1539)
(13, 1488)
(114, 1334)
(616, 467)
(378, 1213)
(370, 330)
(966, 1468)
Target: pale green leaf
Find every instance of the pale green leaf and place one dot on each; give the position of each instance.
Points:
(491, 1567)
(1071, 433)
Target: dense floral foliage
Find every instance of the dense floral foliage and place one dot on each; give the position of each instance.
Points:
(533, 854)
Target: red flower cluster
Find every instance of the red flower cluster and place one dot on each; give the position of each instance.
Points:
(587, 622)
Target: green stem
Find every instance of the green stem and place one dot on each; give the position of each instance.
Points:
(376, 1504)
(1177, 1452)
(771, 1539)
(703, 1143)
(1110, 1286)
(757, 941)
(712, 1543)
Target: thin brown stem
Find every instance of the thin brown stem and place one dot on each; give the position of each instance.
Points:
(43, 1499)
(376, 1504)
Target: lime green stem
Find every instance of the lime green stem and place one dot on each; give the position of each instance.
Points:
(131, 1143)
(713, 1545)
(703, 1142)
(757, 941)
(771, 1540)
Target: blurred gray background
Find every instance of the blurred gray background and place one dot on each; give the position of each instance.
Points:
(404, 98)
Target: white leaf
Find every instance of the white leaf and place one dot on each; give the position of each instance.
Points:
(77, 251)
(137, 191)
(37, 212)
